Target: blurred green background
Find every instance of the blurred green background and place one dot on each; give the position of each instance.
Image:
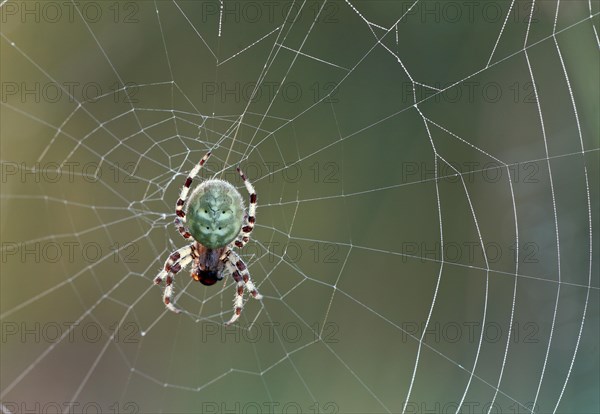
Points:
(106, 107)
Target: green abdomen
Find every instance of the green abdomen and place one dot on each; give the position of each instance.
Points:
(215, 212)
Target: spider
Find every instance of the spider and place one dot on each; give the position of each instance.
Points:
(216, 221)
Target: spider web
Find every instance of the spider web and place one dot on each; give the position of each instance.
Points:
(427, 187)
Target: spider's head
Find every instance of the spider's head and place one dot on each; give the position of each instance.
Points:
(207, 277)
(215, 213)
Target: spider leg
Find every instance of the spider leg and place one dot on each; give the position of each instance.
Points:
(250, 218)
(168, 294)
(173, 259)
(177, 261)
(180, 219)
(240, 274)
(238, 300)
(238, 265)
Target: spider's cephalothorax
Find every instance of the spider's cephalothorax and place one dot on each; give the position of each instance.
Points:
(217, 221)
(207, 268)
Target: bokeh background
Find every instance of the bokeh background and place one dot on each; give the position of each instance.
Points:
(388, 143)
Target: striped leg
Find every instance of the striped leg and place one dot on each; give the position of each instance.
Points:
(168, 294)
(238, 301)
(180, 219)
(250, 219)
(173, 259)
(237, 267)
(240, 274)
(180, 225)
(177, 261)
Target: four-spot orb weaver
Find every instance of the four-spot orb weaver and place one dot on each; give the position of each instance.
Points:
(216, 221)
